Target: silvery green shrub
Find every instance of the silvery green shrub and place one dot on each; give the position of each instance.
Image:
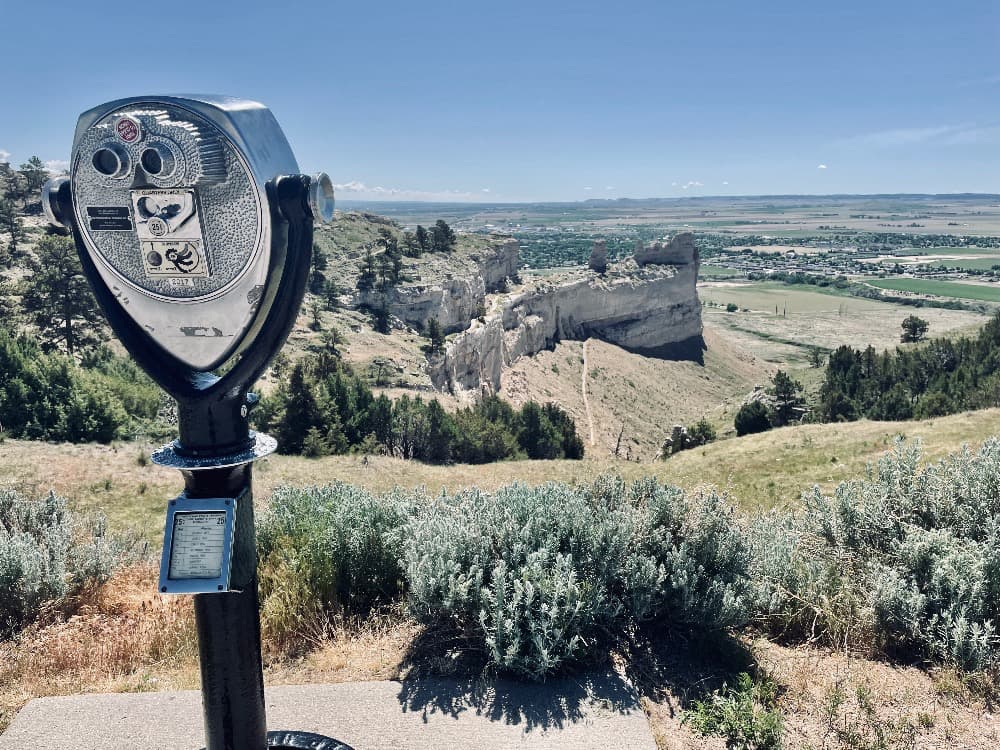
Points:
(46, 553)
(339, 540)
(540, 574)
(909, 556)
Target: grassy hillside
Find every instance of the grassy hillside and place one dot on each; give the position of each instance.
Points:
(758, 470)
(645, 395)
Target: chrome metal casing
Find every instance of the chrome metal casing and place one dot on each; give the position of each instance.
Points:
(170, 200)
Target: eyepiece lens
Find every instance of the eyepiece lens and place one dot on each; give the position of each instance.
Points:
(106, 162)
(152, 162)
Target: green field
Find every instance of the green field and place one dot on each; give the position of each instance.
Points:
(971, 264)
(941, 288)
(949, 250)
(719, 272)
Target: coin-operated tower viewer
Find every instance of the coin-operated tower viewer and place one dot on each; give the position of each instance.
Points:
(195, 230)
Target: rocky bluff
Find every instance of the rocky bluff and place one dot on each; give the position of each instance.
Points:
(648, 303)
(451, 288)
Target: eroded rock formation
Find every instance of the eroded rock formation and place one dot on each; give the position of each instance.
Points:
(639, 307)
(457, 297)
(679, 251)
(599, 256)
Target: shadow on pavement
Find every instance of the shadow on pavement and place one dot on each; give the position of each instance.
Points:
(548, 705)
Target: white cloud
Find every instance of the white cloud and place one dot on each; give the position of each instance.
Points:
(485, 190)
(725, 182)
(673, 184)
(588, 188)
(609, 187)
(690, 184)
(4, 156)
(56, 166)
(358, 189)
(821, 166)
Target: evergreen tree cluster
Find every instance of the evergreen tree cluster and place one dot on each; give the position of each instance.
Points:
(325, 408)
(48, 396)
(786, 405)
(940, 377)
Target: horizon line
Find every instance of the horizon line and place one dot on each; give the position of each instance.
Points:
(670, 198)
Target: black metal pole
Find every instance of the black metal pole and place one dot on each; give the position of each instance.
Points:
(232, 678)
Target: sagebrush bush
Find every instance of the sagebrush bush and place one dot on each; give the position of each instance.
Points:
(328, 549)
(47, 553)
(540, 574)
(907, 558)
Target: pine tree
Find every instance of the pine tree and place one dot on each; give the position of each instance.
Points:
(366, 280)
(58, 300)
(35, 174)
(11, 224)
(317, 279)
(443, 239)
(411, 248)
(435, 336)
(299, 412)
(423, 240)
(788, 400)
(914, 329)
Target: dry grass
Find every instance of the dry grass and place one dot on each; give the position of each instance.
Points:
(764, 470)
(644, 394)
(815, 318)
(828, 700)
(120, 637)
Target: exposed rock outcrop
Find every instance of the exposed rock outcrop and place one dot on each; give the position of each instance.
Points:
(498, 263)
(638, 308)
(679, 251)
(454, 297)
(599, 256)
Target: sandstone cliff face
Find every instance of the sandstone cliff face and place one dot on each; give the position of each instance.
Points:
(639, 308)
(497, 263)
(455, 297)
(679, 251)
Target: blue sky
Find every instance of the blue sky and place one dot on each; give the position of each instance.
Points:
(518, 101)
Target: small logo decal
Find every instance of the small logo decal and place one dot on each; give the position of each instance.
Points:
(128, 129)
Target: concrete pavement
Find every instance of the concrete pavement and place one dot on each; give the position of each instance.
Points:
(585, 713)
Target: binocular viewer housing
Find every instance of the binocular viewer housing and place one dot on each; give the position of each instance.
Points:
(170, 200)
(195, 228)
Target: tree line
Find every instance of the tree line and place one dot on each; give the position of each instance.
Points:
(324, 408)
(942, 376)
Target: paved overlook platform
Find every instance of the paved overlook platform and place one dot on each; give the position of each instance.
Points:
(582, 714)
